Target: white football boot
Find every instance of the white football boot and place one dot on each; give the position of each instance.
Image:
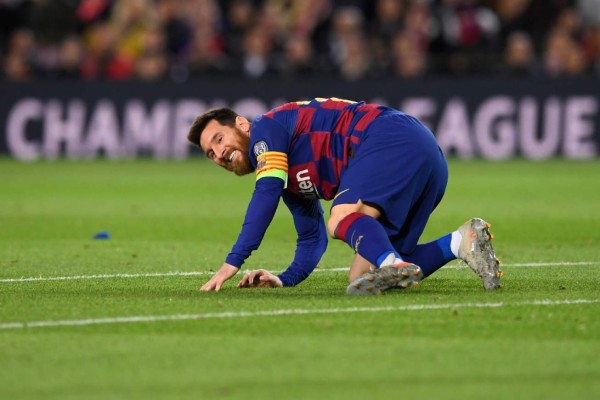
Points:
(396, 276)
(476, 250)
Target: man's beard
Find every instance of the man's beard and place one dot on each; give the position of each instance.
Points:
(243, 166)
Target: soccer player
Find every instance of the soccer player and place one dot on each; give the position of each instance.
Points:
(384, 172)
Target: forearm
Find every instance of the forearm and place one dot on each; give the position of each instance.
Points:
(259, 215)
(308, 254)
(312, 238)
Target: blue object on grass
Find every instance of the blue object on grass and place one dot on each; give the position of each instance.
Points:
(102, 235)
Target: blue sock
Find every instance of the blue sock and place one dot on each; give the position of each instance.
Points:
(367, 237)
(431, 256)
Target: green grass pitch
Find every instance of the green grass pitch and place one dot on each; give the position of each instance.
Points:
(114, 323)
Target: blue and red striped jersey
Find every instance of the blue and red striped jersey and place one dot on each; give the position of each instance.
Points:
(308, 143)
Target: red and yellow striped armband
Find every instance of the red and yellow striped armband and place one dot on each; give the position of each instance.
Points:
(272, 163)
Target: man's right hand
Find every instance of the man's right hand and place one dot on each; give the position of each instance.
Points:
(226, 272)
(260, 278)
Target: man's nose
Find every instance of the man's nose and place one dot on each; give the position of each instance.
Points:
(220, 151)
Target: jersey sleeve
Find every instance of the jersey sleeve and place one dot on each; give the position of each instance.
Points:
(269, 144)
(312, 238)
(269, 147)
(259, 215)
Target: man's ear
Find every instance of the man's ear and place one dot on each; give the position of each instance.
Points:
(243, 124)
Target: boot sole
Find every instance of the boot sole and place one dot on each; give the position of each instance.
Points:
(399, 276)
(488, 265)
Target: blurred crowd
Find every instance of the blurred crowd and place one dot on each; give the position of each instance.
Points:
(178, 40)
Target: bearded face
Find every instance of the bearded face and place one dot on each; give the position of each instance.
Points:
(240, 162)
(228, 146)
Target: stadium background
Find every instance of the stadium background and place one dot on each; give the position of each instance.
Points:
(96, 97)
(493, 79)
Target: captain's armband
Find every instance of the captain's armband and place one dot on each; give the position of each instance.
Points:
(272, 163)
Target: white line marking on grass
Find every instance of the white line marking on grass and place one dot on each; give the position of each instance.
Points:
(284, 312)
(539, 264)
(199, 273)
(106, 276)
(553, 264)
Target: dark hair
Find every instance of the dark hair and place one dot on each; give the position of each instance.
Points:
(225, 116)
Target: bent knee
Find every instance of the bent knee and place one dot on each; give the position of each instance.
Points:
(332, 225)
(341, 211)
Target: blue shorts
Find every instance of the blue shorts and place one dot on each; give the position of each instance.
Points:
(398, 168)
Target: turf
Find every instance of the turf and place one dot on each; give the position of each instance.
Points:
(446, 339)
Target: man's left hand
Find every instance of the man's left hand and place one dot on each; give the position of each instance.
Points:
(260, 278)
